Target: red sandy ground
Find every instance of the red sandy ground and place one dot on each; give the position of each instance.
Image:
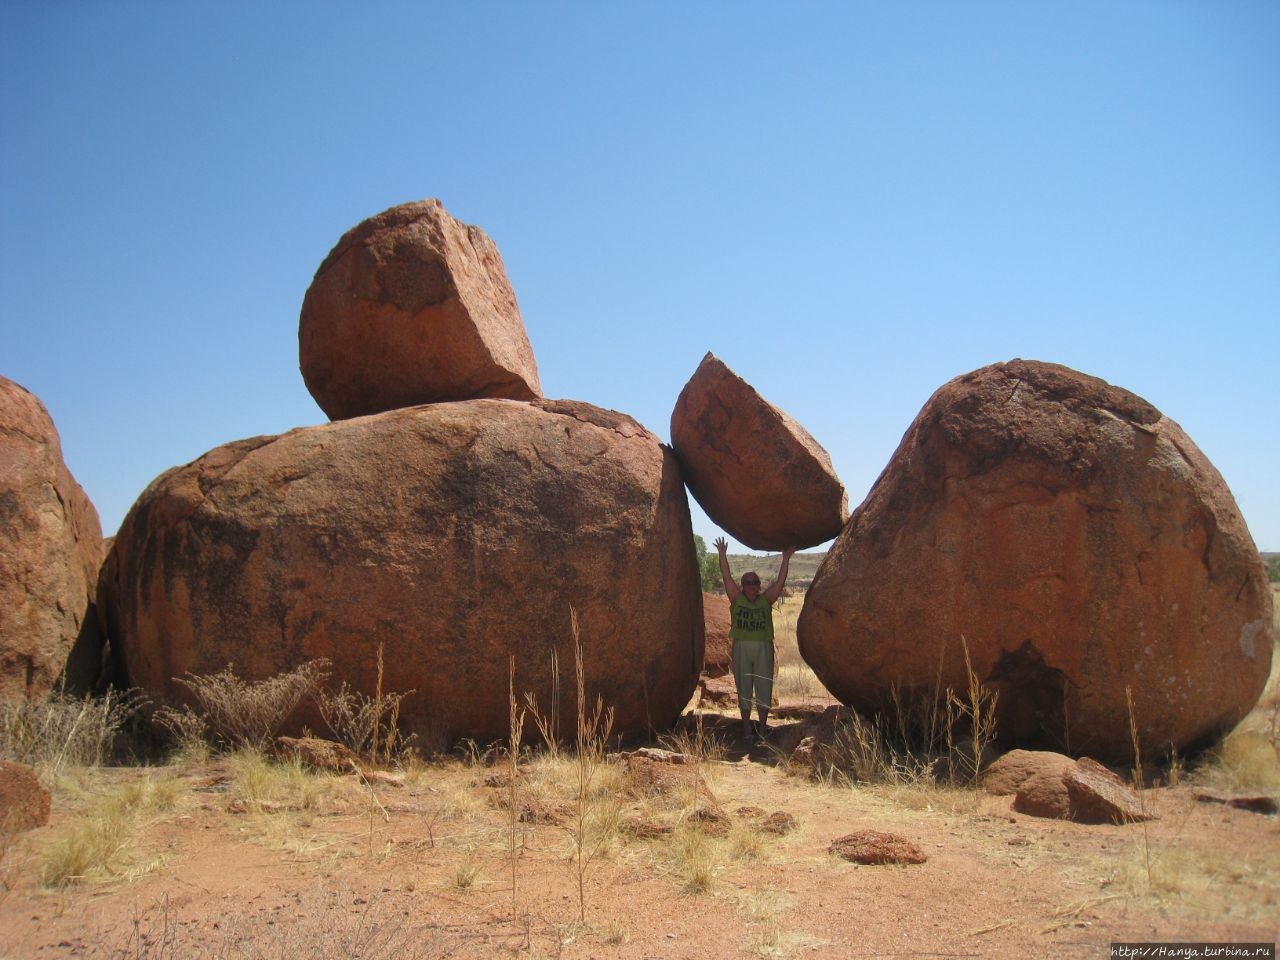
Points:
(348, 881)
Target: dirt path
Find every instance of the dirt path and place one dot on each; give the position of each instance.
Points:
(425, 870)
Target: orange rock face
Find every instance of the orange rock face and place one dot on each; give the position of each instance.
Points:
(1077, 541)
(718, 660)
(412, 307)
(49, 557)
(457, 535)
(756, 472)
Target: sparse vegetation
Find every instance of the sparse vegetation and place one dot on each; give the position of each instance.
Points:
(368, 725)
(101, 843)
(943, 737)
(572, 804)
(245, 713)
(62, 731)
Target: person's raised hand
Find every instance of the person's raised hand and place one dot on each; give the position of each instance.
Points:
(721, 544)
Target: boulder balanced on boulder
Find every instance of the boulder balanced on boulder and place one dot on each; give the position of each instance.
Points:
(412, 307)
(455, 534)
(49, 557)
(757, 472)
(1080, 545)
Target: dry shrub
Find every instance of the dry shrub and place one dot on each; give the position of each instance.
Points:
(860, 751)
(64, 731)
(695, 740)
(368, 725)
(244, 713)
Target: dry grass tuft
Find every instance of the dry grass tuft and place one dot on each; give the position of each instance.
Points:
(101, 844)
(1245, 761)
(62, 731)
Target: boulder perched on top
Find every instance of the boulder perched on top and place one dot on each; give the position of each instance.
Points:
(412, 307)
(456, 535)
(756, 472)
(1080, 546)
(50, 555)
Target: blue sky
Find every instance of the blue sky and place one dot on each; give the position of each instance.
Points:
(849, 203)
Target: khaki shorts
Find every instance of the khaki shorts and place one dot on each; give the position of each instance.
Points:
(753, 674)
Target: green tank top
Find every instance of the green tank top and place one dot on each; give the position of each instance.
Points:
(751, 619)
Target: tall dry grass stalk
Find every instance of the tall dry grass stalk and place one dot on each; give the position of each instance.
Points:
(548, 724)
(592, 736)
(515, 732)
(976, 710)
(370, 726)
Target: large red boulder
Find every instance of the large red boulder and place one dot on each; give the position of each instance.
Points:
(412, 307)
(1077, 542)
(50, 555)
(756, 472)
(457, 535)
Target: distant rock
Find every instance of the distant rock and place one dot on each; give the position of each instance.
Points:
(457, 535)
(1080, 545)
(50, 555)
(412, 307)
(718, 658)
(756, 472)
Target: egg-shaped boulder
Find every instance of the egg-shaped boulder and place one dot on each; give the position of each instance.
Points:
(455, 536)
(1080, 546)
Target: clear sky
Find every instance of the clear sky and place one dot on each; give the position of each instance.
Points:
(849, 203)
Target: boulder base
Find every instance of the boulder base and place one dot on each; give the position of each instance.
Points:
(756, 472)
(457, 536)
(1079, 545)
(412, 307)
